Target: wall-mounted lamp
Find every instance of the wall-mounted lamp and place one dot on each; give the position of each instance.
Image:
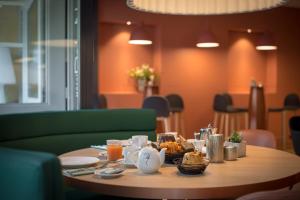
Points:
(139, 36)
(266, 42)
(7, 75)
(207, 40)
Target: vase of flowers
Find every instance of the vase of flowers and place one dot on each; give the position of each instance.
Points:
(144, 76)
(237, 141)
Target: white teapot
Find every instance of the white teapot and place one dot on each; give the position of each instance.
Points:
(148, 160)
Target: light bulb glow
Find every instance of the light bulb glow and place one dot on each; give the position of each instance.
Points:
(266, 47)
(140, 42)
(207, 44)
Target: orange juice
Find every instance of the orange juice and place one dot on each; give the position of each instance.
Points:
(114, 150)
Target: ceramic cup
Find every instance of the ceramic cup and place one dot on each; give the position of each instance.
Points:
(126, 154)
(199, 144)
(139, 141)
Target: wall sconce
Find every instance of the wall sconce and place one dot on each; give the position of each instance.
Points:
(207, 40)
(266, 42)
(139, 36)
(7, 75)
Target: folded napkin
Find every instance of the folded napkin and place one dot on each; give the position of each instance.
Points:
(102, 147)
(82, 171)
(79, 171)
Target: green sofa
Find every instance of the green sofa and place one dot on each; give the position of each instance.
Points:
(30, 175)
(62, 131)
(59, 132)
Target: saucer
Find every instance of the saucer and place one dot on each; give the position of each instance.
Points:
(109, 172)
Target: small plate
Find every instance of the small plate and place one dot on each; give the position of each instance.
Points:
(78, 161)
(109, 172)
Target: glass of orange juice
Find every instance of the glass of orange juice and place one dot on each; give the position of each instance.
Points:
(114, 150)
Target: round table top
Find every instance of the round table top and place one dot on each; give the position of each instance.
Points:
(262, 169)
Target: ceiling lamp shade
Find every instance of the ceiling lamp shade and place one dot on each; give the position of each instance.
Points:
(266, 42)
(139, 36)
(203, 7)
(207, 40)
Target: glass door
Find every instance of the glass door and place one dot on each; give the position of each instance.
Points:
(35, 50)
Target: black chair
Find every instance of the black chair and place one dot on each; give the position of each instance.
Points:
(291, 102)
(162, 108)
(226, 112)
(101, 102)
(295, 132)
(176, 108)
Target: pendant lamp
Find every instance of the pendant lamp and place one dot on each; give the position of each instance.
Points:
(207, 40)
(203, 7)
(139, 36)
(266, 42)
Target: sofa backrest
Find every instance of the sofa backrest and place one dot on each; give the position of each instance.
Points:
(61, 131)
(30, 175)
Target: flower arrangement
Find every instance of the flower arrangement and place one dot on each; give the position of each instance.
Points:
(144, 76)
(143, 72)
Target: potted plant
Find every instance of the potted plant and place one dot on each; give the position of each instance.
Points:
(236, 139)
(144, 76)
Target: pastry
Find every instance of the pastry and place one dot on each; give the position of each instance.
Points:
(172, 147)
(192, 158)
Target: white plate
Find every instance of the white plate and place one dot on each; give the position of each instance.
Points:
(78, 161)
(102, 173)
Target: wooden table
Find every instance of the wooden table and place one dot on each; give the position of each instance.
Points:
(262, 169)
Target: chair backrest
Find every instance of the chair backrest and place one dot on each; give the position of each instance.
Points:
(158, 103)
(295, 131)
(228, 99)
(273, 195)
(259, 137)
(222, 102)
(292, 100)
(30, 175)
(175, 102)
(101, 102)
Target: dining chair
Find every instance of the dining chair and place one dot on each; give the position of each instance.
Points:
(176, 109)
(101, 101)
(227, 114)
(162, 108)
(259, 137)
(292, 101)
(291, 104)
(272, 195)
(295, 132)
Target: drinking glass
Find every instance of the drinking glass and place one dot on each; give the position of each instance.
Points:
(114, 150)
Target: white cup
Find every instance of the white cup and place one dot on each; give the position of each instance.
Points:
(126, 154)
(139, 141)
(199, 144)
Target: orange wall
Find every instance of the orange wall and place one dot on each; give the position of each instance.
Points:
(198, 74)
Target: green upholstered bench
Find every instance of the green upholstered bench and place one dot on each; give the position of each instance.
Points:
(62, 131)
(30, 175)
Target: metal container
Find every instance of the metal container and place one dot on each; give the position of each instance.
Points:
(230, 153)
(215, 149)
